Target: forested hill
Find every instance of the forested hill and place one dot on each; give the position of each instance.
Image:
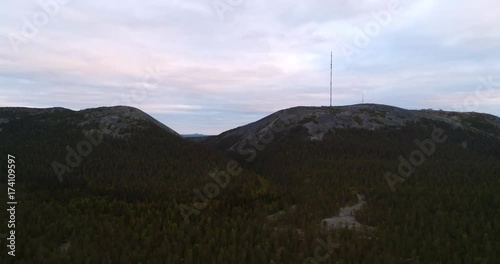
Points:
(118, 151)
(111, 185)
(119, 118)
(107, 185)
(430, 179)
(316, 122)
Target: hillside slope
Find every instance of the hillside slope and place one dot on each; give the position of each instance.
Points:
(110, 185)
(319, 121)
(119, 117)
(430, 179)
(117, 177)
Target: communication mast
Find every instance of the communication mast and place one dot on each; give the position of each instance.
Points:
(331, 76)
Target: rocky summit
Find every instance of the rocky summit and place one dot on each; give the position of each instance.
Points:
(318, 121)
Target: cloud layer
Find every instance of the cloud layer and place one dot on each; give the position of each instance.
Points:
(207, 66)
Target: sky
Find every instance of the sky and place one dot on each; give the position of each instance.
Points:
(207, 66)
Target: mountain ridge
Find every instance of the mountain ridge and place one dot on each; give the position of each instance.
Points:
(285, 189)
(118, 117)
(319, 121)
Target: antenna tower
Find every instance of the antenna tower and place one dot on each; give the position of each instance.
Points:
(331, 76)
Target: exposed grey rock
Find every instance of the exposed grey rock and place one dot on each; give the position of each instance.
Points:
(346, 216)
(464, 144)
(321, 120)
(119, 120)
(64, 247)
(276, 216)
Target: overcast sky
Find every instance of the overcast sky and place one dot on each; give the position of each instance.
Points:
(207, 66)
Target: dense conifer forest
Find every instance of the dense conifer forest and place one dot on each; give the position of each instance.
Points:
(144, 198)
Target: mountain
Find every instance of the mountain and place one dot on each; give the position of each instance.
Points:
(117, 176)
(351, 184)
(428, 180)
(64, 143)
(120, 118)
(317, 122)
(102, 149)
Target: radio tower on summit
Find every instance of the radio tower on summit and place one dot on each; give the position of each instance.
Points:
(331, 76)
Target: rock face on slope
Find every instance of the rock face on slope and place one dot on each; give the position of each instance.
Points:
(121, 117)
(346, 217)
(319, 121)
(119, 120)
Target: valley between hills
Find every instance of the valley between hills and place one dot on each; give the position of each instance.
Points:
(346, 184)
